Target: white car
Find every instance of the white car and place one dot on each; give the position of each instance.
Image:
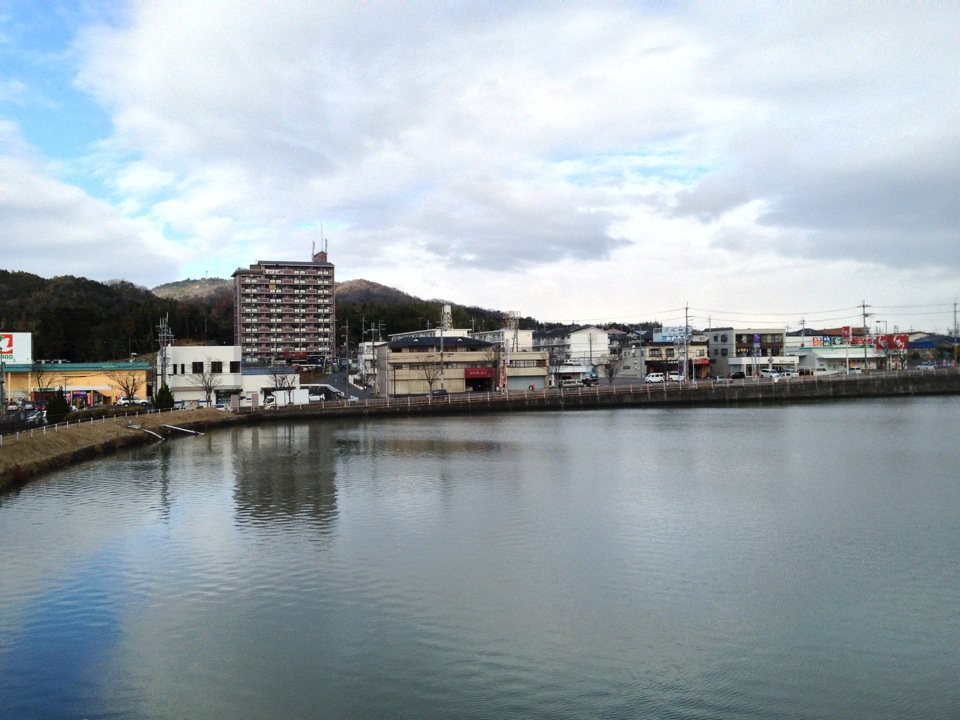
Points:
(125, 402)
(655, 377)
(675, 377)
(769, 373)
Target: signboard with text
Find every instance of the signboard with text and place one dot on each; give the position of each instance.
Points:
(16, 348)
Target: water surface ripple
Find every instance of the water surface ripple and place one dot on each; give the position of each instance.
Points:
(788, 561)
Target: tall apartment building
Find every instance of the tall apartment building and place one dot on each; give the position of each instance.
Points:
(285, 310)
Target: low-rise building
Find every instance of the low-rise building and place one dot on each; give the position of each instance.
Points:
(417, 364)
(749, 351)
(83, 384)
(200, 373)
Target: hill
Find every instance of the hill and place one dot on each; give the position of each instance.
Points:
(82, 320)
(193, 289)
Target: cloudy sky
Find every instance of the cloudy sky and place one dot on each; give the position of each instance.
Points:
(757, 162)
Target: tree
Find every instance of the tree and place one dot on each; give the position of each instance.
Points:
(430, 368)
(282, 379)
(57, 407)
(163, 398)
(128, 382)
(208, 380)
(44, 376)
(611, 367)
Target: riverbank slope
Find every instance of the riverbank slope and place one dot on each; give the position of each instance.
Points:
(49, 448)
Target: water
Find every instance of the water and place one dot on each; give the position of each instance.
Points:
(789, 561)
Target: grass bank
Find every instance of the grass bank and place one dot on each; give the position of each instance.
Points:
(45, 449)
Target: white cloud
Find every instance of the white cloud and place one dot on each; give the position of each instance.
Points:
(560, 157)
(53, 228)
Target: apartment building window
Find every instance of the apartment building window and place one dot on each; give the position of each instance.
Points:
(197, 367)
(235, 366)
(216, 367)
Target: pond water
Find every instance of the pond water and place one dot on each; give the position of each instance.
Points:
(784, 561)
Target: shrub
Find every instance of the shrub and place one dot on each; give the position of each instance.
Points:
(163, 399)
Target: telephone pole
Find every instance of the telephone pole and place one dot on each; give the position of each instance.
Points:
(863, 307)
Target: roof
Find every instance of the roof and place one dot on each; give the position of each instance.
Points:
(267, 370)
(839, 353)
(434, 342)
(54, 368)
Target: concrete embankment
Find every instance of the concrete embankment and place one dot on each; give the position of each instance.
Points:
(704, 393)
(40, 450)
(46, 449)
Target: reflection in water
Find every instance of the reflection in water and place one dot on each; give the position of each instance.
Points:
(297, 483)
(716, 563)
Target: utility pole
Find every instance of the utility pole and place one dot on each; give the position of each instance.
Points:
(346, 345)
(954, 333)
(686, 341)
(444, 325)
(165, 337)
(863, 307)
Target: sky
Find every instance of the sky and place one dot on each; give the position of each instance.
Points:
(747, 164)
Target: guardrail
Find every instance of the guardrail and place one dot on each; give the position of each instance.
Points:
(647, 390)
(535, 398)
(15, 435)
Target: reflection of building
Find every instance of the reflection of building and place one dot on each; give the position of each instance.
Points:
(748, 350)
(285, 310)
(286, 475)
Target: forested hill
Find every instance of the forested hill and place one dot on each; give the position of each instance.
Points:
(80, 320)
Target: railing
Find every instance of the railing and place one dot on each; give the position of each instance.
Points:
(647, 390)
(15, 435)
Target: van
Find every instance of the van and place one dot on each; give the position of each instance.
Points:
(569, 383)
(654, 377)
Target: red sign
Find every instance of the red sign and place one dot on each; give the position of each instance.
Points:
(477, 373)
(6, 343)
(892, 342)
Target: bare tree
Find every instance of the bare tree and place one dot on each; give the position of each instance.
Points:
(44, 375)
(281, 380)
(611, 368)
(208, 380)
(430, 367)
(128, 382)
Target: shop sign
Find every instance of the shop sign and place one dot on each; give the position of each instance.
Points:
(16, 348)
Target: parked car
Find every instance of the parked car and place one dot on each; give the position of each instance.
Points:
(737, 375)
(126, 401)
(674, 377)
(569, 383)
(439, 392)
(928, 365)
(768, 373)
(38, 417)
(654, 377)
(590, 381)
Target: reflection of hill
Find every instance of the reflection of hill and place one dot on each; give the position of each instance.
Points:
(285, 473)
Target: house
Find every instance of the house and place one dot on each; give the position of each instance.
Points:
(573, 350)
